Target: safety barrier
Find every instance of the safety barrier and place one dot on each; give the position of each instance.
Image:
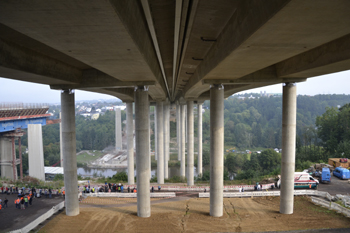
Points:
(192, 188)
(41, 219)
(269, 193)
(129, 195)
(331, 205)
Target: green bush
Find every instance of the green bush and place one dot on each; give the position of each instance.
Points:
(120, 176)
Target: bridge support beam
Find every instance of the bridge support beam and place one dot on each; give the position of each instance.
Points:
(130, 142)
(118, 130)
(199, 160)
(166, 109)
(178, 127)
(190, 144)
(182, 140)
(216, 150)
(6, 154)
(69, 152)
(288, 147)
(142, 152)
(160, 143)
(36, 151)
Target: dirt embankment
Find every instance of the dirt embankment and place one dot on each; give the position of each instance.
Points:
(192, 215)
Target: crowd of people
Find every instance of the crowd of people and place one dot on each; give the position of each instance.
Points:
(25, 196)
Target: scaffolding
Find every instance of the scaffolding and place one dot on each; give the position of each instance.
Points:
(22, 109)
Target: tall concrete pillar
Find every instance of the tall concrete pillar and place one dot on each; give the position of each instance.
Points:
(14, 167)
(199, 160)
(36, 152)
(289, 110)
(118, 129)
(69, 152)
(182, 141)
(155, 134)
(6, 156)
(20, 158)
(130, 142)
(190, 144)
(149, 143)
(160, 145)
(178, 138)
(216, 150)
(61, 150)
(166, 138)
(142, 152)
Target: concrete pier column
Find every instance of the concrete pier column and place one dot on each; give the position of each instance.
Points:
(69, 152)
(289, 110)
(20, 158)
(190, 144)
(160, 143)
(142, 152)
(130, 142)
(178, 123)
(216, 150)
(182, 141)
(155, 134)
(149, 143)
(61, 150)
(36, 151)
(6, 156)
(199, 160)
(14, 167)
(118, 129)
(166, 109)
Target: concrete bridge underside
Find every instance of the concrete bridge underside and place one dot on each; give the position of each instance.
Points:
(185, 51)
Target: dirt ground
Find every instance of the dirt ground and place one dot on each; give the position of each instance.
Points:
(185, 214)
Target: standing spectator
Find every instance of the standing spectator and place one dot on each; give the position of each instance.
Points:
(26, 201)
(0, 201)
(152, 189)
(122, 188)
(17, 203)
(5, 202)
(22, 203)
(128, 189)
(30, 197)
(2, 189)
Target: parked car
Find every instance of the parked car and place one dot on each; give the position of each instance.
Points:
(342, 173)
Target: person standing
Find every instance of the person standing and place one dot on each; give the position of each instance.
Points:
(5, 202)
(30, 197)
(22, 203)
(26, 201)
(0, 201)
(50, 193)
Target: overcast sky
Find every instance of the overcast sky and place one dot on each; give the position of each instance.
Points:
(25, 92)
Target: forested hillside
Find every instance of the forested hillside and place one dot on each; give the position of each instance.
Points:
(252, 123)
(249, 124)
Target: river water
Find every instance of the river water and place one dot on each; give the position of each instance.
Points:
(98, 172)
